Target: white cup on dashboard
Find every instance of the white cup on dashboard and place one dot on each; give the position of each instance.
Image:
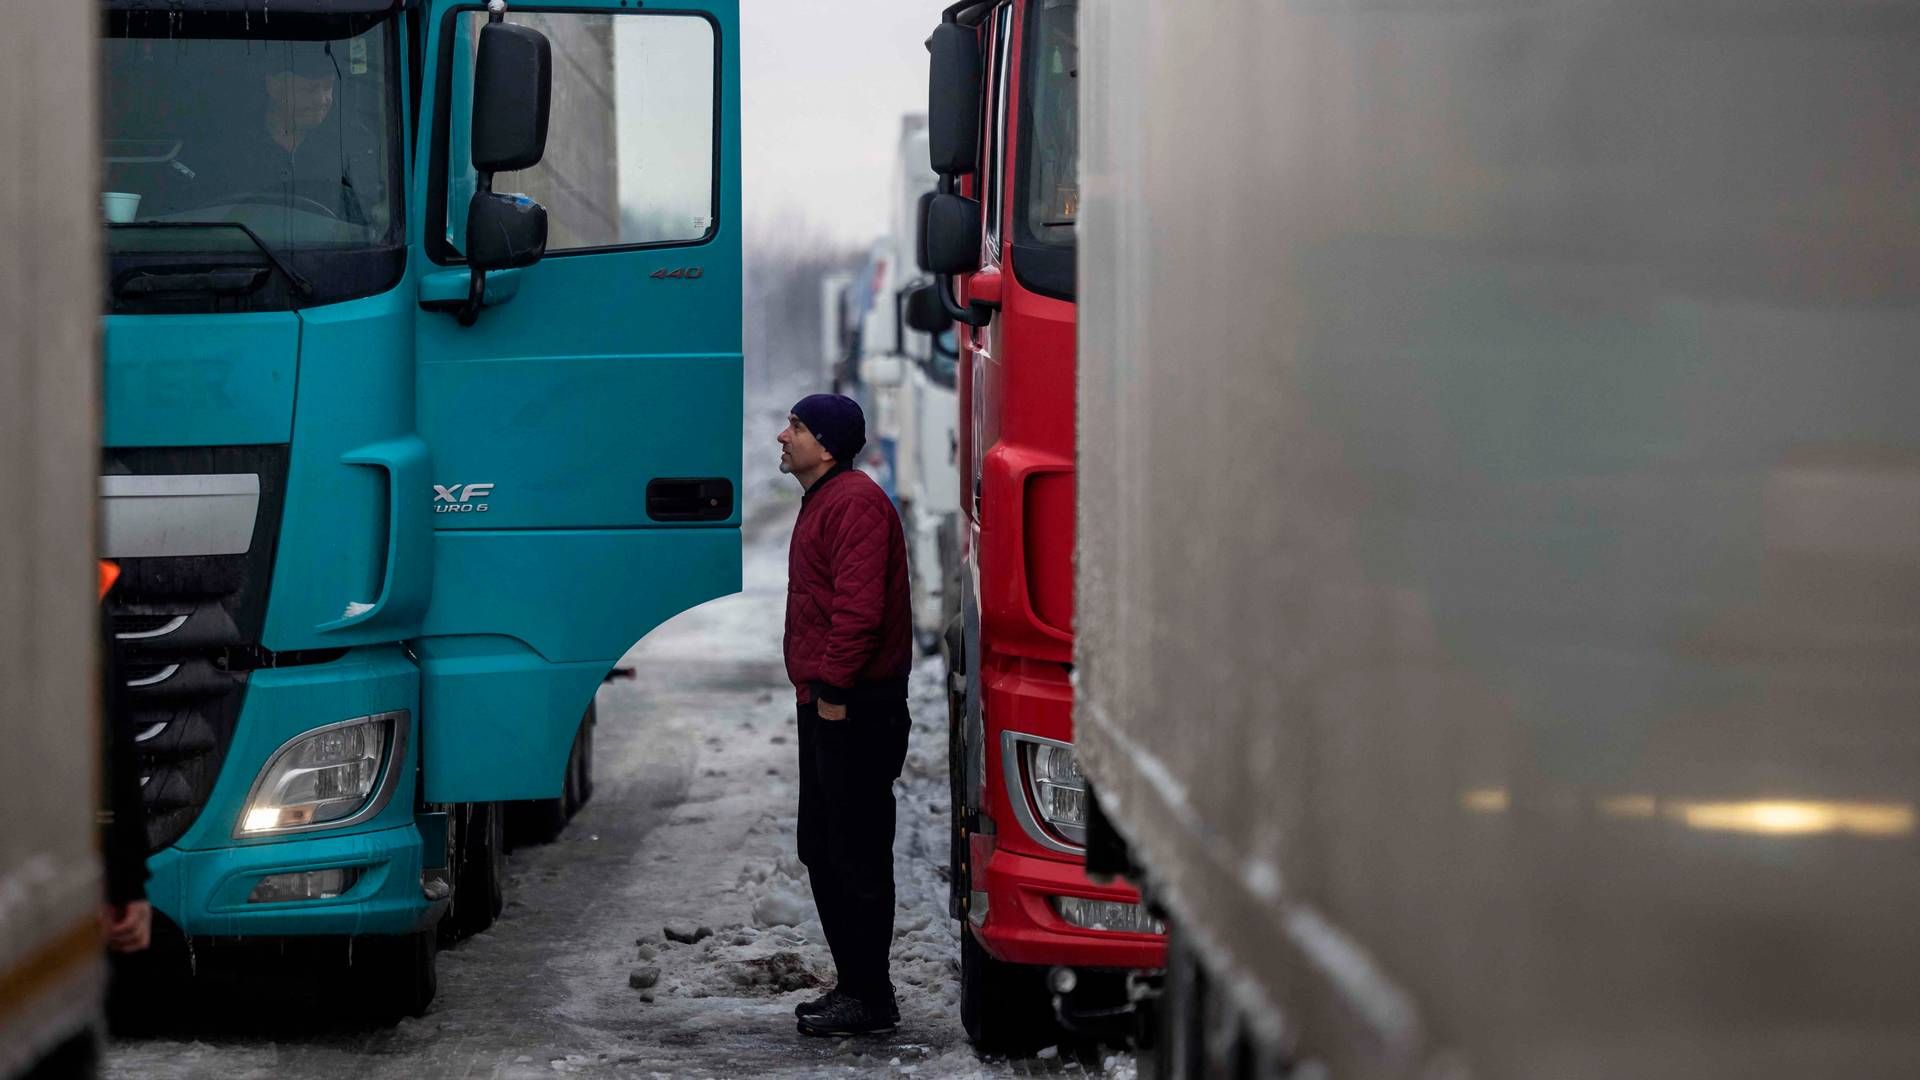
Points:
(120, 206)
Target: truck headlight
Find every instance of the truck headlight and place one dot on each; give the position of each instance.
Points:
(1058, 788)
(326, 777)
(1045, 775)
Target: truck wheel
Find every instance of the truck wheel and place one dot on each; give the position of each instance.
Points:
(479, 863)
(570, 787)
(539, 821)
(583, 780)
(398, 974)
(959, 865)
(1006, 1008)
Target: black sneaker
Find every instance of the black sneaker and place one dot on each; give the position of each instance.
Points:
(805, 1008)
(848, 1015)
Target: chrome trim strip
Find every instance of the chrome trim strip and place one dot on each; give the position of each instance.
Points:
(185, 514)
(173, 624)
(1020, 797)
(151, 732)
(164, 674)
(390, 769)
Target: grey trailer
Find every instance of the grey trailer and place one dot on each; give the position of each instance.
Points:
(1499, 530)
(50, 890)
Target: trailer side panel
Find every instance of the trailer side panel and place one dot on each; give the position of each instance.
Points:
(1499, 523)
(49, 282)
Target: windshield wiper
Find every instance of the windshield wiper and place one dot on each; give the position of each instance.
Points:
(301, 285)
(237, 282)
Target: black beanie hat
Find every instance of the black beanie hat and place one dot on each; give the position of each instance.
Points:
(835, 420)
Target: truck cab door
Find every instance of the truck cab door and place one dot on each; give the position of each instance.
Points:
(584, 430)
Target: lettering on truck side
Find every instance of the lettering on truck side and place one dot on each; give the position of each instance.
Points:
(452, 499)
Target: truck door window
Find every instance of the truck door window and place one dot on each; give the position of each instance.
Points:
(997, 128)
(1048, 197)
(1051, 139)
(631, 138)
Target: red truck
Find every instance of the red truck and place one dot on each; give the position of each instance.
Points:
(1042, 945)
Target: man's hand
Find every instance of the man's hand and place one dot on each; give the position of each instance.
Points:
(127, 927)
(830, 711)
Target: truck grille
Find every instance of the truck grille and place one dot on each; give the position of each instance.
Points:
(187, 629)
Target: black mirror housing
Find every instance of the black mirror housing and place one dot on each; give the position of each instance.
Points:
(512, 98)
(953, 99)
(925, 312)
(920, 232)
(505, 231)
(951, 237)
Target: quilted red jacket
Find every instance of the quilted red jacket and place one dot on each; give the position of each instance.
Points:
(849, 620)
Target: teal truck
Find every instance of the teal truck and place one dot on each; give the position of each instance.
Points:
(397, 464)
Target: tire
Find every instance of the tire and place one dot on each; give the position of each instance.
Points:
(397, 976)
(479, 864)
(570, 785)
(540, 821)
(579, 784)
(536, 821)
(1198, 1031)
(959, 873)
(584, 784)
(1006, 1008)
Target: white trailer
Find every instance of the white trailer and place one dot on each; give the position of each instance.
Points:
(50, 952)
(911, 378)
(1499, 531)
(833, 325)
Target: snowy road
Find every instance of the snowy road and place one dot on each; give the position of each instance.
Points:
(692, 819)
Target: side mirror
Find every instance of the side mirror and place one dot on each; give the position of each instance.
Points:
(925, 312)
(920, 232)
(504, 231)
(512, 97)
(953, 99)
(951, 236)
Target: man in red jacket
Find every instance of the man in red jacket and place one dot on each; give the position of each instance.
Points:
(848, 648)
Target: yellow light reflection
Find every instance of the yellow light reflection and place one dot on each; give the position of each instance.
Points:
(1484, 800)
(1786, 817)
(1629, 806)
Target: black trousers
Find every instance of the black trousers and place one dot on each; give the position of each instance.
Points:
(847, 769)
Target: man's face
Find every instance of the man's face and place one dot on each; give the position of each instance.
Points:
(298, 102)
(800, 452)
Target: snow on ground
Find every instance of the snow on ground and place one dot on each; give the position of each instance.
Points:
(766, 952)
(691, 828)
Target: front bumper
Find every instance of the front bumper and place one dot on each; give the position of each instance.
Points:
(1019, 866)
(1022, 927)
(205, 892)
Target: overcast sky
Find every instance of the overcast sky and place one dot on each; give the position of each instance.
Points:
(823, 85)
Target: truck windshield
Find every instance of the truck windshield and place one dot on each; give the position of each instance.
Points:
(288, 124)
(1050, 139)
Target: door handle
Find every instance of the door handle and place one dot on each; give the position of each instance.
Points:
(701, 498)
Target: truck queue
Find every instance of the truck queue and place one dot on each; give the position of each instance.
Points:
(1429, 594)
